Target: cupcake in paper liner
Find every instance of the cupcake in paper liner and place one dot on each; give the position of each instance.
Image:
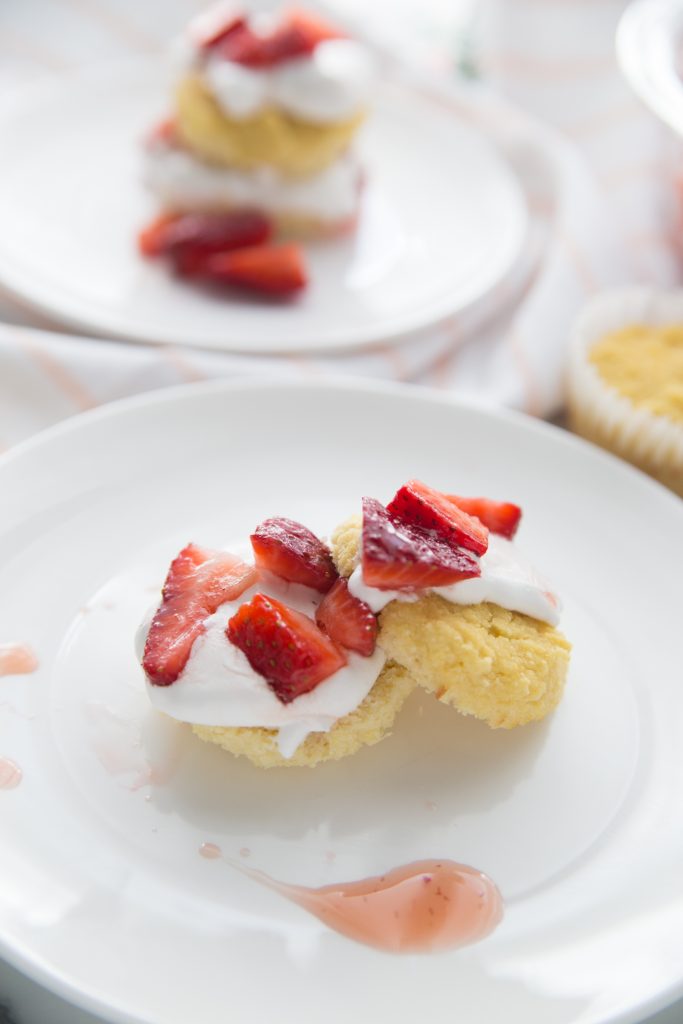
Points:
(625, 379)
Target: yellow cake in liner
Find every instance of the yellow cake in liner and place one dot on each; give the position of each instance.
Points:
(272, 137)
(500, 666)
(625, 380)
(368, 724)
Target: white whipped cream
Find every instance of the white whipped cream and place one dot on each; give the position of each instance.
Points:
(331, 84)
(182, 182)
(507, 579)
(219, 687)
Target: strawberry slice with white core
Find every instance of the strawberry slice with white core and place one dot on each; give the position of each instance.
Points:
(400, 556)
(349, 621)
(500, 517)
(284, 646)
(294, 553)
(277, 270)
(199, 581)
(419, 505)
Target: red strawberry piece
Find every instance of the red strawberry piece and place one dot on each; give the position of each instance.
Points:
(283, 646)
(276, 270)
(296, 35)
(422, 506)
(198, 582)
(401, 556)
(212, 27)
(190, 238)
(349, 621)
(499, 516)
(242, 45)
(151, 239)
(294, 553)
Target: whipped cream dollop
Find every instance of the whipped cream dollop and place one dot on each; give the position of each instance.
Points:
(331, 84)
(182, 182)
(219, 687)
(507, 579)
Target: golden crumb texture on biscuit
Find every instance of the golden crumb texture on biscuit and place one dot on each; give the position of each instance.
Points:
(368, 724)
(271, 138)
(500, 666)
(345, 543)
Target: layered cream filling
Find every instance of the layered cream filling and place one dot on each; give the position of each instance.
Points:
(180, 181)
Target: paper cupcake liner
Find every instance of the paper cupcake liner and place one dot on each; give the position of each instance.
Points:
(598, 412)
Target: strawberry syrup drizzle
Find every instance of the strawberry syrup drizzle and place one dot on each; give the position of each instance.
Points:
(17, 660)
(10, 774)
(424, 907)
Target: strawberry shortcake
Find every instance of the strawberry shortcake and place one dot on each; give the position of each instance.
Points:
(303, 653)
(264, 119)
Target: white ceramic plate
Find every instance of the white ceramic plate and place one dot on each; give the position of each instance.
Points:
(103, 894)
(649, 51)
(443, 221)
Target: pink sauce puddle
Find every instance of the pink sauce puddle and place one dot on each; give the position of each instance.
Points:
(423, 907)
(17, 660)
(10, 774)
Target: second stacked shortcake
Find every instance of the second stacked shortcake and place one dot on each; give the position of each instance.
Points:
(265, 114)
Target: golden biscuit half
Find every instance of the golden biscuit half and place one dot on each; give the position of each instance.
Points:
(500, 666)
(272, 138)
(368, 724)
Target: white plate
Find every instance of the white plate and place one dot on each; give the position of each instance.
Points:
(649, 52)
(103, 895)
(442, 223)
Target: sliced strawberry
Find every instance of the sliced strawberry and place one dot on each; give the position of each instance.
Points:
(422, 506)
(283, 646)
(294, 553)
(151, 239)
(190, 238)
(296, 35)
(274, 270)
(499, 516)
(242, 45)
(347, 620)
(400, 556)
(211, 27)
(198, 582)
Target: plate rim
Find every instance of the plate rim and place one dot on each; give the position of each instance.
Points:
(348, 383)
(644, 16)
(17, 284)
(53, 980)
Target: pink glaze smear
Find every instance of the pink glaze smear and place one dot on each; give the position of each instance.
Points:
(17, 660)
(424, 907)
(10, 774)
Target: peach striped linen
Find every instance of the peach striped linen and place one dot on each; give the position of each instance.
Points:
(552, 102)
